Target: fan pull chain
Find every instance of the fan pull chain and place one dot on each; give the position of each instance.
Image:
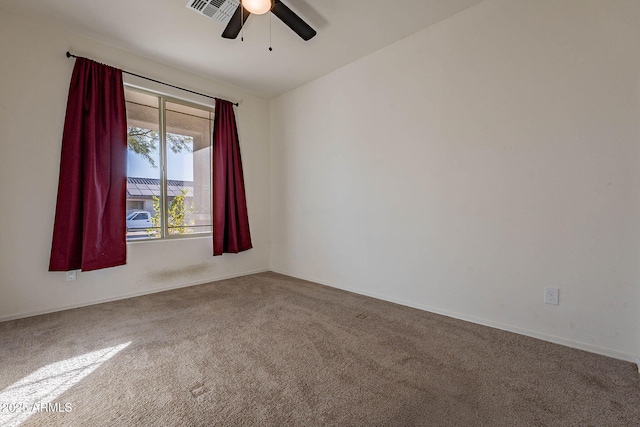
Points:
(270, 14)
(241, 21)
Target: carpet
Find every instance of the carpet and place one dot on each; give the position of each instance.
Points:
(271, 350)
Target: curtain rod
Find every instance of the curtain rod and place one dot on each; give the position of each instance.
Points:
(71, 55)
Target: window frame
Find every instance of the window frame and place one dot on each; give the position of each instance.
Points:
(163, 98)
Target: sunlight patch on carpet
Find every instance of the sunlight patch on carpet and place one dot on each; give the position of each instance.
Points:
(37, 392)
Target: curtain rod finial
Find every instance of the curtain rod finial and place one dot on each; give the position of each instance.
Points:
(68, 54)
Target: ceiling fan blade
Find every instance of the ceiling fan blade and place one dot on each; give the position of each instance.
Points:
(234, 26)
(292, 20)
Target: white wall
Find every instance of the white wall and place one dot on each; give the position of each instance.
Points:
(34, 81)
(465, 168)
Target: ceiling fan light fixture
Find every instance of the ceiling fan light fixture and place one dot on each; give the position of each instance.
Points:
(257, 7)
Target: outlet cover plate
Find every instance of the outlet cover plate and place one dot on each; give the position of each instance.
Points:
(551, 296)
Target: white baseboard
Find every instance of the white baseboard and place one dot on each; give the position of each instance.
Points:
(628, 357)
(126, 296)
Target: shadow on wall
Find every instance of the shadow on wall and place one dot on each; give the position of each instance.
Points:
(171, 275)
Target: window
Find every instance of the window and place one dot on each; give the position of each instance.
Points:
(169, 167)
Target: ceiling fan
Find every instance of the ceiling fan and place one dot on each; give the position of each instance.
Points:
(237, 12)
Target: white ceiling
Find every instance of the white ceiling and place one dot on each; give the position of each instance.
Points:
(170, 33)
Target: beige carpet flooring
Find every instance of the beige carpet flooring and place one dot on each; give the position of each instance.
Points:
(270, 350)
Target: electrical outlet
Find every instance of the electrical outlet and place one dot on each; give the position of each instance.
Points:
(551, 296)
(71, 275)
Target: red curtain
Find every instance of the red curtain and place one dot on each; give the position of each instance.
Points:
(90, 228)
(230, 219)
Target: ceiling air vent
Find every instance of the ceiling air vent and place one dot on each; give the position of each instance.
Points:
(220, 10)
